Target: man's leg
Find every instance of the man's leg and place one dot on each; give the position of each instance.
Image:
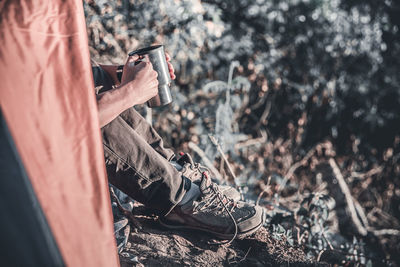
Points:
(135, 168)
(147, 132)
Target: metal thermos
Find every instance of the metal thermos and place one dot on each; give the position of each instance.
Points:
(156, 55)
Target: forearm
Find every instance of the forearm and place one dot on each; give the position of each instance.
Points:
(112, 103)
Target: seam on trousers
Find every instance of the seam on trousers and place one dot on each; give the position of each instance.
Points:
(125, 162)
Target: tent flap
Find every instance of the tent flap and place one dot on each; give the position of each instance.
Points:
(48, 102)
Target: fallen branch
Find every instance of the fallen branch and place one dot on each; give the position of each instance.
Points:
(204, 158)
(349, 199)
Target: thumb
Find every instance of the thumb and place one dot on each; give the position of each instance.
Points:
(132, 59)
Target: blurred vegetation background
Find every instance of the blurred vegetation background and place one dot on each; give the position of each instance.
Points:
(270, 92)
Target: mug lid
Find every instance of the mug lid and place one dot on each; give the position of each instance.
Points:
(145, 50)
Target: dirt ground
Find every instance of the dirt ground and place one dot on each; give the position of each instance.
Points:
(153, 245)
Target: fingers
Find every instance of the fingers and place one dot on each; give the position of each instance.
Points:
(132, 58)
(147, 67)
(130, 63)
(143, 64)
(170, 67)
(167, 57)
(154, 85)
(171, 71)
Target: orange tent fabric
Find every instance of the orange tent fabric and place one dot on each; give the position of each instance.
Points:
(47, 97)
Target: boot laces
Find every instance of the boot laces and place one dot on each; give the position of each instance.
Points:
(218, 201)
(195, 166)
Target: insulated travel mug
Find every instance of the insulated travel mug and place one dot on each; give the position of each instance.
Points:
(156, 55)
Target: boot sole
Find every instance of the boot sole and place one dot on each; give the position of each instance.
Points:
(177, 226)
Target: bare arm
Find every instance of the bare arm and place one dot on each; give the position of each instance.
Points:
(139, 84)
(112, 103)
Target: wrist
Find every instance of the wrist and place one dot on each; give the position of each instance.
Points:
(125, 94)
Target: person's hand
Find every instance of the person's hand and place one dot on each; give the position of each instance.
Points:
(170, 67)
(139, 82)
(129, 72)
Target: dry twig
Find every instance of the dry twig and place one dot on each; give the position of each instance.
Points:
(368, 173)
(265, 114)
(386, 232)
(215, 142)
(361, 213)
(349, 199)
(264, 190)
(251, 142)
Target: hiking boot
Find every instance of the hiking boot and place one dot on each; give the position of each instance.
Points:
(194, 171)
(229, 192)
(215, 213)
